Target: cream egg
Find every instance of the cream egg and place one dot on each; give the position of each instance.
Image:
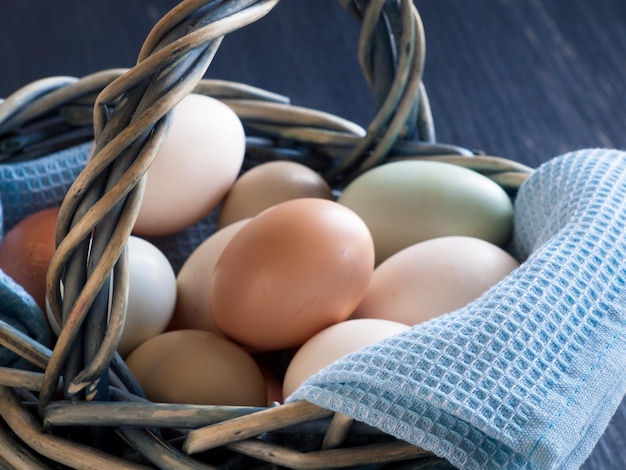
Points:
(151, 295)
(332, 344)
(193, 303)
(432, 278)
(195, 167)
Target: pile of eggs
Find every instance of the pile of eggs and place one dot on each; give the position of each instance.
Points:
(295, 277)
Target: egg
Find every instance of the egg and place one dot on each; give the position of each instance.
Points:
(193, 306)
(432, 278)
(332, 344)
(406, 202)
(26, 251)
(197, 367)
(267, 184)
(195, 167)
(291, 271)
(151, 296)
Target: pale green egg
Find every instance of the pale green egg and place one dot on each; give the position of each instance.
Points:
(406, 202)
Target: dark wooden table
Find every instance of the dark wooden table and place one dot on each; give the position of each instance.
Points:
(526, 80)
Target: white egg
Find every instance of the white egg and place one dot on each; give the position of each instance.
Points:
(151, 297)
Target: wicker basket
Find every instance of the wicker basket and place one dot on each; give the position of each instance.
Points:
(82, 409)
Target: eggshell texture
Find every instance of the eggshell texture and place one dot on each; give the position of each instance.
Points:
(26, 251)
(197, 367)
(268, 184)
(332, 344)
(196, 166)
(193, 306)
(434, 277)
(410, 201)
(294, 269)
(151, 296)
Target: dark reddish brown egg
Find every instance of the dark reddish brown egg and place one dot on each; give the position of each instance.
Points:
(26, 251)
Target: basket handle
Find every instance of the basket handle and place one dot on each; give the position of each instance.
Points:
(391, 54)
(131, 118)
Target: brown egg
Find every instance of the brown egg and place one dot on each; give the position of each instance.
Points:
(268, 184)
(26, 251)
(296, 268)
(197, 367)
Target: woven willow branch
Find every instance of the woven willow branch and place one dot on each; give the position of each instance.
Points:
(131, 117)
(394, 73)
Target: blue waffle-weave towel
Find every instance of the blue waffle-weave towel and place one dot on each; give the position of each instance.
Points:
(528, 375)
(30, 186)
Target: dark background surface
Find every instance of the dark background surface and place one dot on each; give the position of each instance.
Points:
(526, 79)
